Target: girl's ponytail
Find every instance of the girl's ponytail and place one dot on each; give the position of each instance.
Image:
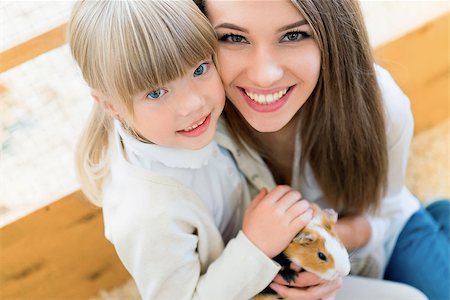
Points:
(92, 162)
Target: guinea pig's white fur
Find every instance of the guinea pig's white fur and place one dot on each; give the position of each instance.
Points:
(316, 249)
(332, 245)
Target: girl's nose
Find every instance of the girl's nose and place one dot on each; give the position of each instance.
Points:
(189, 102)
(265, 69)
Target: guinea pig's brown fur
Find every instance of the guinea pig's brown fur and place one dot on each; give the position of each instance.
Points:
(300, 252)
(310, 249)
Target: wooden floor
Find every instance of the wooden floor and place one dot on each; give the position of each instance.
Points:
(58, 252)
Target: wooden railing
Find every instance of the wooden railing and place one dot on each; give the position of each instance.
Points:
(420, 63)
(30, 49)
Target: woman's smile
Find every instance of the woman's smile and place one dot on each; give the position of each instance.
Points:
(268, 101)
(269, 69)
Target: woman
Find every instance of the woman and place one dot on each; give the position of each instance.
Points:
(308, 108)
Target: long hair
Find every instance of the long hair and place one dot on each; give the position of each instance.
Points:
(342, 124)
(123, 48)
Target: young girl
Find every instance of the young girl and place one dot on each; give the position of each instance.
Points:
(308, 108)
(172, 199)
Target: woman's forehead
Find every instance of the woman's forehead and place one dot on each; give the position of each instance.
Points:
(248, 13)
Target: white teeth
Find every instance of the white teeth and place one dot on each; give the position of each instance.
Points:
(261, 99)
(190, 128)
(266, 99)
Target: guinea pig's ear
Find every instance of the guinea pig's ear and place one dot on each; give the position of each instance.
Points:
(305, 237)
(331, 214)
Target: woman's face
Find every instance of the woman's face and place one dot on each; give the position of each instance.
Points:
(269, 62)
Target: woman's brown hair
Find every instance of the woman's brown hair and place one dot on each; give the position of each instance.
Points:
(342, 125)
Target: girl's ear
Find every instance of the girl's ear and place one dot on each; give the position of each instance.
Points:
(103, 101)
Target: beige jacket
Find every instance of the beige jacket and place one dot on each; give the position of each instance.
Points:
(167, 239)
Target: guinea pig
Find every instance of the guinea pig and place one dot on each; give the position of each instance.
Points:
(316, 249)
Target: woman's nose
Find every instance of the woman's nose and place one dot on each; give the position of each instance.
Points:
(265, 69)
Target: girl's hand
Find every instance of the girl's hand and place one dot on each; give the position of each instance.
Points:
(273, 219)
(307, 286)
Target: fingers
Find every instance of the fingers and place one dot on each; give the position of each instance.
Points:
(258, 198)
(295, 267)
(278, 192)
(302, 220)
(298, 208)
(303, 279)
(306, 279)
(290, 199)
(332, 296)
(324, 290)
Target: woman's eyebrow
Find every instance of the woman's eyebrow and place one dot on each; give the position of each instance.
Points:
(284, 28)
(231, 26)
(293, 25)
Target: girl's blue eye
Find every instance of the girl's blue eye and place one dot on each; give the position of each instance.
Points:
(202, 69)
(295, 36)
(156, 94)
(232, 38)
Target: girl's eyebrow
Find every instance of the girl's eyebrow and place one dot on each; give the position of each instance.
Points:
(231, 26)
(293, 25)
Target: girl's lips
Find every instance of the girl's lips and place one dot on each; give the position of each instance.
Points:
(198, 130)
(267, 108)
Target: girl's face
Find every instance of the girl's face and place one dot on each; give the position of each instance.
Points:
(183, 113)
(269, 63)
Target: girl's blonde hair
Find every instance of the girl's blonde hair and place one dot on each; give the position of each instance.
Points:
(123, 48)
(342, 127)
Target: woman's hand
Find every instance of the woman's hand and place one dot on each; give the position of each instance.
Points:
(354, 231)
(273, 219)
(306, 286)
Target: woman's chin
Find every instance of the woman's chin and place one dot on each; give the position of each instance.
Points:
(266, 125)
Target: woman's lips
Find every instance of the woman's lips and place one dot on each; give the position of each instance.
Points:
(272, 105)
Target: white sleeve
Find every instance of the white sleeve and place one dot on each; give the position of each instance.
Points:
(162, 249)
(398, 203)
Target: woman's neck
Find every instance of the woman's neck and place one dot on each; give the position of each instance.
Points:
(279, 148)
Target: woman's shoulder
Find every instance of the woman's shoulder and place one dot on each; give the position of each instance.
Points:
(396, 102)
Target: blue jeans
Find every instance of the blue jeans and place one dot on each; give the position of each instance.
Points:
(421, 256)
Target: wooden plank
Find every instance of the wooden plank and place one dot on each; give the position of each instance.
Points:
(420, 63)
(32, 48)
(58, 252)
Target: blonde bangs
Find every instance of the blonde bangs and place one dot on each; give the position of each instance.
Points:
(142, 45)
(155, 47)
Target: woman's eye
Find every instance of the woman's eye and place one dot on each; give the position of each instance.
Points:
(232, 38)
(202, 69)
(294, 36)
(156, 94)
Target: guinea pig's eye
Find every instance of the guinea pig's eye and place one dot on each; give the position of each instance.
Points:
(322, 256)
